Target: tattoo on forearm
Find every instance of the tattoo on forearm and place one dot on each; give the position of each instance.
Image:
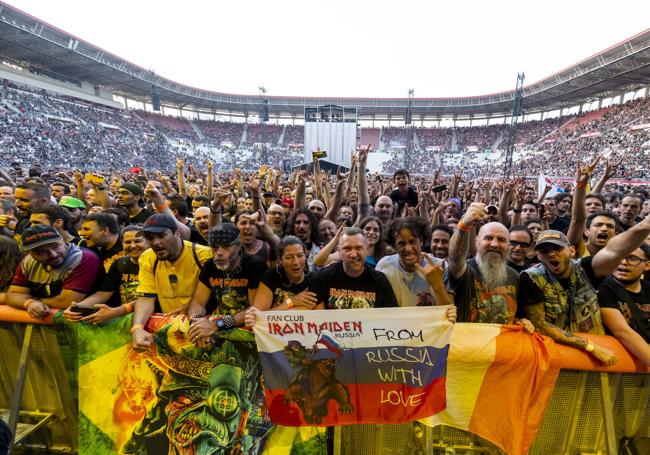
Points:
(537, 316)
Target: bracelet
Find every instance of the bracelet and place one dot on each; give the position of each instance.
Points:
(590, 346)
(516, 210)
(218, 212)
(28, 302)
(128, 307)
(136, 327)
(463, 227)
(289, 302)
(581, 185)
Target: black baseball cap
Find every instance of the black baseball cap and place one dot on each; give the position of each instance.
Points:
(38, 235)
(158, 223)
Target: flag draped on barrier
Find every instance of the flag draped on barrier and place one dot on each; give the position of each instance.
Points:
(499, 381)
(175, 398)
(353, 366)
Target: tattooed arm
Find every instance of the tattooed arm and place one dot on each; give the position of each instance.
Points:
(537, 316)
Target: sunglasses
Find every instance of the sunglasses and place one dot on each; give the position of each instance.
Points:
(173, 279)
(521, 244)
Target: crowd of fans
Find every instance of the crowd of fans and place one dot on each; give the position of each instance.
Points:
(217, 241)
(439, 138)
(259, 133)
(478, 137)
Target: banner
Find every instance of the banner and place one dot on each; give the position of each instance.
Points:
(353, 366)
(173, 399)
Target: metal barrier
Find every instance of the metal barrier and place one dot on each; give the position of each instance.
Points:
(588, 412)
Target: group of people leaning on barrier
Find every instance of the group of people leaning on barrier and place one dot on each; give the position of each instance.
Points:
(220, 247)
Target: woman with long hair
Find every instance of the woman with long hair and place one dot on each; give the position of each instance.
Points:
(287, 286)
(9, 259)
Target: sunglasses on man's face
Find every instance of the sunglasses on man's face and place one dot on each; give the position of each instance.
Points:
(521, 244)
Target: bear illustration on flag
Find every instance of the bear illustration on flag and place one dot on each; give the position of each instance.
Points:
(315, 382)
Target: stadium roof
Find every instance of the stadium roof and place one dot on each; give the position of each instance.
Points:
(45, 49)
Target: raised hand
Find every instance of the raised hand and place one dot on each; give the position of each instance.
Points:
(475, 213)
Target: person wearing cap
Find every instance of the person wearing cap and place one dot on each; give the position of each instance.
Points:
(57, 217)
(129, 197)
(559, 294)
(169, 271)
(226, 288)
(76, 208)
(53, 274)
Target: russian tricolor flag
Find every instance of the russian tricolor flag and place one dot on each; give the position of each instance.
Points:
(342, 367)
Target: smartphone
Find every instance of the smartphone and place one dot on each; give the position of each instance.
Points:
(439, 188)
(84, 310)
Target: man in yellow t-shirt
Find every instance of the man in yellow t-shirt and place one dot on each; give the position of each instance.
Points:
(169, 272)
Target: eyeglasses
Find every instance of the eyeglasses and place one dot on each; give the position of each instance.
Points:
(521, 244)
(634, 260)
(173, 279)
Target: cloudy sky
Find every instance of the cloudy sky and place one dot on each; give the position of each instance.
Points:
(349, 48)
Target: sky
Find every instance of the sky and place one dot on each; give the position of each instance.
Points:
(349, 48)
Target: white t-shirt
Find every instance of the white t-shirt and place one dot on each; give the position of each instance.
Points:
(411, 289)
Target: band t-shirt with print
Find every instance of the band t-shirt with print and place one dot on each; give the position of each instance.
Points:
(634, 306)
(280, 286)
(477, 302)
(340, 291)
(229, 290)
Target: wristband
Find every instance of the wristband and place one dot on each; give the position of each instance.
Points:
(229, 322)
(289, 302)
(136, 327)
(581, 185)
(27, 303)
(218, 212)
(463, 227)
(516, 210)
(590, 346)
(128, 307)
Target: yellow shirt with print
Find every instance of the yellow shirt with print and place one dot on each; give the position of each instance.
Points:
(172, 293)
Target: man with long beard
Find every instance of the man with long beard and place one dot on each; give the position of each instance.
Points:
(485, 287)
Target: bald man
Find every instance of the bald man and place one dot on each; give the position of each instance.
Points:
(275, 218)
(485, 287)
(201, 230)
(317, 208)
(384, 209)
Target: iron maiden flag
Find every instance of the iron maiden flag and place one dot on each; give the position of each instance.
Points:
(353, 366)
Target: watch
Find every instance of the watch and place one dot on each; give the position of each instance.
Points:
(221, 324)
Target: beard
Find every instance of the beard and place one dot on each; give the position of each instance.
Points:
(493, 269)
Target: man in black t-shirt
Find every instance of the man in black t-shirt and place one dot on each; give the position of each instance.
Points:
(226, 287)
(351, 283)
(404, 193)
(485, 288)
(625, 303)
